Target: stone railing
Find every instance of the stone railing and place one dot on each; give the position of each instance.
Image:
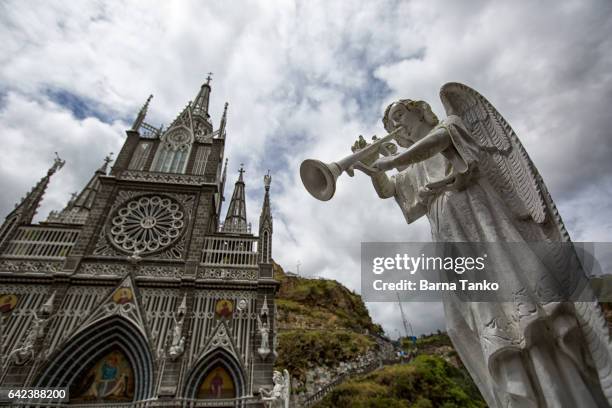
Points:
(237, 229)
(225, 251)
(77, 218)
(170, 178)
(41, 242)
(323, 391)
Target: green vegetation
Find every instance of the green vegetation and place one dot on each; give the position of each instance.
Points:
(433, 341)
(322, 324)
(426, 382)
(300, 350)
(321, 303)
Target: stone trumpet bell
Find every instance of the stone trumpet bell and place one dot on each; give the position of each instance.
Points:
(319, 178)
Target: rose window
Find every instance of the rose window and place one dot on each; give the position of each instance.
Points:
(147, 224)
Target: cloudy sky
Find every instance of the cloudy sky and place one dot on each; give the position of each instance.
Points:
(303, 80)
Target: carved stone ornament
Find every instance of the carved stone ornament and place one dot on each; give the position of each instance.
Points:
(147, 224)
(178, 138)
(280, 395)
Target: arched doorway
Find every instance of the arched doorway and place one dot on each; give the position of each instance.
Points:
(114, 341)
(217, 383)
(218, 375)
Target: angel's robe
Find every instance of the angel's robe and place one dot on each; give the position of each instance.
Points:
(519, 356)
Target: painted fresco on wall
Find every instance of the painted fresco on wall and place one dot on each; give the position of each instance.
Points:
(224, 308)
(111, 378)
(123, 295)
(7, 303)
(217, 384)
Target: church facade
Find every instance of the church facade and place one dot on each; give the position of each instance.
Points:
(136, 294)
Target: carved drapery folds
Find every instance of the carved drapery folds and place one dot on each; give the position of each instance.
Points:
(177, 345)
(263, 326)
(280, 394)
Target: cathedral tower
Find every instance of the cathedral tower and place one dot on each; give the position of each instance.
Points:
(135, 290)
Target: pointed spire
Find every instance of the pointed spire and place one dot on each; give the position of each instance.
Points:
(267, 181)
(265, 223)
(183, 306)
(77, 209)
(86, 197)
(264, 308)
(265, 209)
(104, 168)
(141, 115)
(47, 307)
(223, 179)
(223, 122)
(235, 220)
(200, 105)
(241, 171)
(30, 203)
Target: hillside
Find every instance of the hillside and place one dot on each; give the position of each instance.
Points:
(428, 381)
(325, 331)
(322, 327)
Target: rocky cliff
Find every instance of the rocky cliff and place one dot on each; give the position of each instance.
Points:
(324, 330)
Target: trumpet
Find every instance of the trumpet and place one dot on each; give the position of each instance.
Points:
(319, 178)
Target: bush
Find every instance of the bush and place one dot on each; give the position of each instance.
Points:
(426, 382)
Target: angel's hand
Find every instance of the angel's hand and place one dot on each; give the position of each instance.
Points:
(365, 164)
(384, 163)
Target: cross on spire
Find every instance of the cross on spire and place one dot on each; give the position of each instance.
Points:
(107, 160)
(236, 219)
(209, 78)
(57, 164)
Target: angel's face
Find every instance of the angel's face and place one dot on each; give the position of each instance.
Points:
(399, 115)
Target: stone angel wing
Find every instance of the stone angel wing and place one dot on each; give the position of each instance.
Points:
(508, 164)
(286, 393)
(515, 177)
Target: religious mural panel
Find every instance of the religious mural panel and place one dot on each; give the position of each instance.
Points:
(7, 303)
(111, 378)
(218, 383)
(224, 308)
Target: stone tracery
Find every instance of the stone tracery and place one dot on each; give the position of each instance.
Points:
(147, 224)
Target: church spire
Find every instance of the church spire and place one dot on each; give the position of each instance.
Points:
(200, 104)
(77, 209)
(223, 122)
(104, 168)
(25, 211)
(265, 224)
(141, 115)
(235, 220)
(30, 203)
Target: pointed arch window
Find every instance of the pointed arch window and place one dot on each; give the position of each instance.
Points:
(173, 151)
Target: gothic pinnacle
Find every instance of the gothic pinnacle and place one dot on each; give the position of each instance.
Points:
(142, 114)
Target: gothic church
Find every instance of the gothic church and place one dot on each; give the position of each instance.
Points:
(136, 294)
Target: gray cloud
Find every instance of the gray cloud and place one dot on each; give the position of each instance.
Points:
(303, 80)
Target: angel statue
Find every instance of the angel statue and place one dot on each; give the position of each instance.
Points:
(471, 177)
(280, 394)
(264, 333)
